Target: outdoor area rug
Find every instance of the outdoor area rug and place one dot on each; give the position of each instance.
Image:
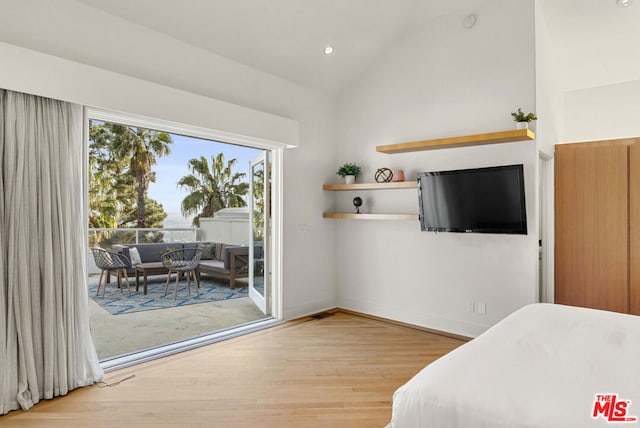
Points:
(117, 302)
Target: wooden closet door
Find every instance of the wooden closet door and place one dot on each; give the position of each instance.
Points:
(591, 227)
(634, 229)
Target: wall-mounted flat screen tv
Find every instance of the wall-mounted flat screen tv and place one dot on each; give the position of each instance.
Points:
(480, 200)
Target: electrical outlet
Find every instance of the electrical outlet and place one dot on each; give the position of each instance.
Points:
(482, 308)
(470, 305)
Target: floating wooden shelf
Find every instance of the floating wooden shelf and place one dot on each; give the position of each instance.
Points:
(372, 186)
(464, 141)
(352, 216)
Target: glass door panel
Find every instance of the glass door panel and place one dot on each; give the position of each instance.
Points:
(259, 222)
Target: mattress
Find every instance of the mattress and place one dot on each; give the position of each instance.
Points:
(543, 366)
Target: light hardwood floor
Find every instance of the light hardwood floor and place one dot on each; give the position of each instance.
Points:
(338, 371)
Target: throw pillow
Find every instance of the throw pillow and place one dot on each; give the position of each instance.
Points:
(220, 251)
(134, 255)
(208, 252)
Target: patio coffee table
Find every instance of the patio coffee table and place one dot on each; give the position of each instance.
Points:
(152, 268)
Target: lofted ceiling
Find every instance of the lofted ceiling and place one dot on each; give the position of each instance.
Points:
(596, 42)
(287, 37)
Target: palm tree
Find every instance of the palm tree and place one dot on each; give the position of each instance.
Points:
(110, 188)
(212, 187)
(142, 147)
(113, 190)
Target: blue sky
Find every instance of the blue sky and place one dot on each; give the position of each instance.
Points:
(171, 168)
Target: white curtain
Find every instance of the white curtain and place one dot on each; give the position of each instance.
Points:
(46, 348)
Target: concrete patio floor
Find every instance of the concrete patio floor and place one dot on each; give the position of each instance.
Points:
(116, 335)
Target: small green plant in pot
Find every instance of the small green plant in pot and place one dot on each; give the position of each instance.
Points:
(523, 119)
(349, 171)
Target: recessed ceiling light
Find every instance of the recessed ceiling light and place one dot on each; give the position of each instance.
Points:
(328, 50)
(624, 3)
(470, 20)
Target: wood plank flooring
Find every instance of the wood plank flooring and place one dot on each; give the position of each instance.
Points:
(338, 371)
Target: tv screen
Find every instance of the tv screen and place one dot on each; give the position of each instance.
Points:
(482, 200)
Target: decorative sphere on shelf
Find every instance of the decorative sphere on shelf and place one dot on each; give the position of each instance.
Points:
(357, 202)
(383, 175)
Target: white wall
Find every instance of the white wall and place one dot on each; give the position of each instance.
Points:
(549, 131)
(226, 230)
(549, 94)
(46, 75)
(603, 112)
(441, 80)
(118, 65)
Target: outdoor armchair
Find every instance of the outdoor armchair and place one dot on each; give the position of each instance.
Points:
(185, 261)
(109, 261)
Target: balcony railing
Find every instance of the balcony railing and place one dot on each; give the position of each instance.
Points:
(105, 237)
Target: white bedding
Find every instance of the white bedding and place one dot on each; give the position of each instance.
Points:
(542, 366)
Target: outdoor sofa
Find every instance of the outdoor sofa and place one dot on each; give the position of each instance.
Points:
(219, 260)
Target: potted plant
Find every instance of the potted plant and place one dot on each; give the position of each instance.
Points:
(522, 120)
(349, 171)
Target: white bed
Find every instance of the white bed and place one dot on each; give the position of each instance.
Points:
(542, 366)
